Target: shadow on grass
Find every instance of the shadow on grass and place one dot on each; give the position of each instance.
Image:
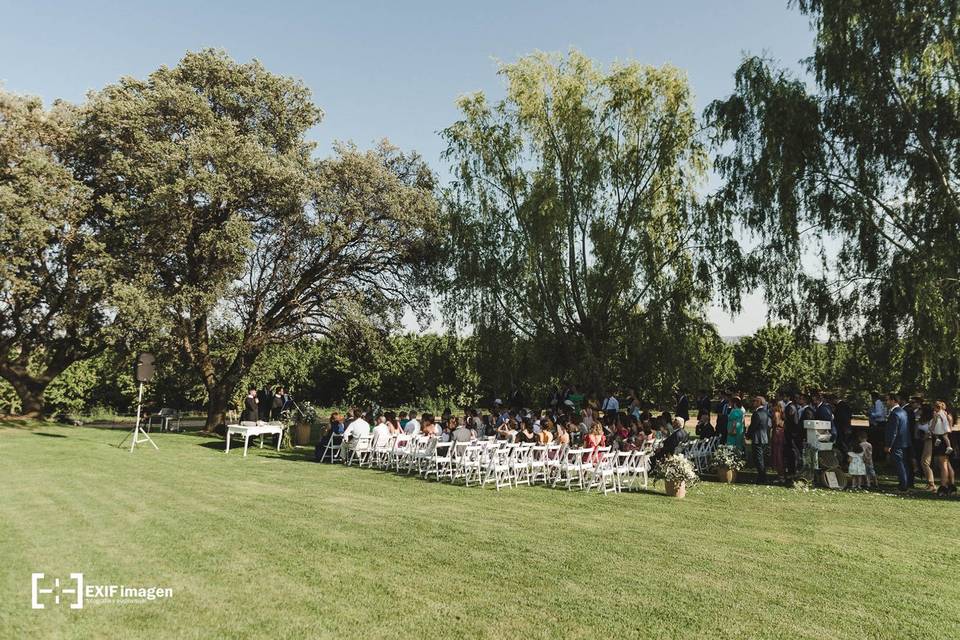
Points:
(49, 435)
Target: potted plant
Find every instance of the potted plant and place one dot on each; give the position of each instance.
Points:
(677, 473)
(727, 460)
(304, 419)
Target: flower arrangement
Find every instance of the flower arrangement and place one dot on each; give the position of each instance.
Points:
(727, 456)
(677, 469)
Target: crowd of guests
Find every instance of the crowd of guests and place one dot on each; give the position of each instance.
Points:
(917, 436)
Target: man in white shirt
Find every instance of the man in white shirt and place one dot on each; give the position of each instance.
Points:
(359, 427)
(381, 432)
(413, 427)
(356, 429)
(611, 404)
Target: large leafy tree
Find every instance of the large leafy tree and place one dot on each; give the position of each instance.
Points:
(56, 260)
(240, 232)
(850, 184)
(570, 207)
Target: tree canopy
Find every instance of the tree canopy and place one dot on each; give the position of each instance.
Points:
(851, 189)
(571, 204)
(58, 259)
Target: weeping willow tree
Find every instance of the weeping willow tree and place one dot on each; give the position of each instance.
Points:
(852, 189)
(571, 206)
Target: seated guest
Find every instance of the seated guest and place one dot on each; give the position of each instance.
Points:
(393, 423)
(463, 433)
(704, 428)
(448, 428)
(507, 431)
(335, 427)
(412, 427)
(403, 419)
(429, 427)
(381, 432)
(563, 434)
(356, 429)
(526, 434)
(546, 432)
(677, 437)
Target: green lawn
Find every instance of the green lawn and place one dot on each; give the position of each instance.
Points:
(276, 546)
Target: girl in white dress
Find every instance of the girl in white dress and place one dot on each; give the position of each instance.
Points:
(857, 469)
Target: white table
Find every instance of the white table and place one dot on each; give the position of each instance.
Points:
(251, 431)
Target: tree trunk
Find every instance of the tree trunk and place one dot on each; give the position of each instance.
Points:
(217, 407)
(30, 389)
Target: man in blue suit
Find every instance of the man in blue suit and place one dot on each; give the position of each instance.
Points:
(822, 411)
(897, 441)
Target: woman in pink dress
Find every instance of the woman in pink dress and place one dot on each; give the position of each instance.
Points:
(595, 439)
(778, 441)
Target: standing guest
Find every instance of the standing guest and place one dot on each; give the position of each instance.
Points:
(924, 442)
(610, 403)
(857, 469)
(822, 411)
(575, 397)
(793, 435)
(251, 404)
(878, 422)
(683, 406)
(897, 441)
(866, 447)
(759, 434)
(723, 415)
(778, 442)
(703, 404)
(844, 419)
(412, 427)
(735, 424)
(942, 449)
(704, 428)
(916, 446)
(279, 401)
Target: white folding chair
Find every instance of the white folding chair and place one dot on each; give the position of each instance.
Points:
(438, 462)
(602, 475)
(358, 448)
(498, 468)
(332, 451)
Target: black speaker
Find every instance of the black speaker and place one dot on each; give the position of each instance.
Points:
(144, 368)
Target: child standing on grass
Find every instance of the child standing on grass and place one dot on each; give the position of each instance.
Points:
(867, 450)
(857, 469)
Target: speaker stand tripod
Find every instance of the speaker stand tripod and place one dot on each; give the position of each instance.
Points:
(139, 435)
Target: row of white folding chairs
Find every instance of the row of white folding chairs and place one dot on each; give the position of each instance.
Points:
(503, 464)
(699, 452)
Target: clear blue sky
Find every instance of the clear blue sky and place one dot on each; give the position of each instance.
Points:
(391, 69)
